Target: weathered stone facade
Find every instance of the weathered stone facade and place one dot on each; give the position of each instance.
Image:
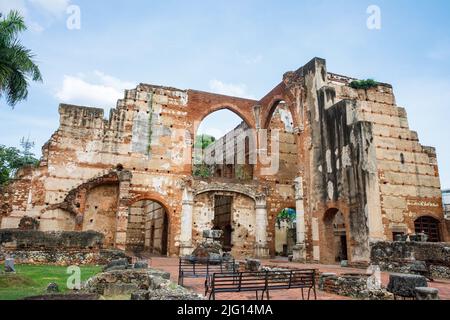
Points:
(341, 150)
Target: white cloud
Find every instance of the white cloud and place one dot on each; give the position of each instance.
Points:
(50, 9)
(55, 8)
(35, 27)
(18, 5)
(101, 91)
(229, 89)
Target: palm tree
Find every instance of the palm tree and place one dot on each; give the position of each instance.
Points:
(16, 62)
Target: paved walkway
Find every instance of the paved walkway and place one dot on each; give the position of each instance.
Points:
(197, 285)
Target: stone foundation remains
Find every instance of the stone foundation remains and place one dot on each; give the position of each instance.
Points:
(410, 257)
(57, 248)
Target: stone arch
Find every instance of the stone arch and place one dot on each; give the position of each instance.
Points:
(150, 203)
(271, 103)
(244, 137)
(245, 113)
(281, 129)
(216, 187)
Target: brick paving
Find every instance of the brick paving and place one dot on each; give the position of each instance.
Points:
(197, 285)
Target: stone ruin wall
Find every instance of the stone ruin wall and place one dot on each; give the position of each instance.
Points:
(334, 126)
(351, 146)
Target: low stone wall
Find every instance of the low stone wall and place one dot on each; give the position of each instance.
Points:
(404, 257)
(15, 239)
(63, 257)
(56, 248)
(353, 285)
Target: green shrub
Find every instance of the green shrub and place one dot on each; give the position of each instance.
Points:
(363, 84)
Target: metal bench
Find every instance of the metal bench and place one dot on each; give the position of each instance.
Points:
(191, 267)
(262, 282)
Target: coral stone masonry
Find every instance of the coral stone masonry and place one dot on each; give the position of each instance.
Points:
(346, 161)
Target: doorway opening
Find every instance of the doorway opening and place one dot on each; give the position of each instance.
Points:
(336, 244)
(148, 226)
(285, 232)
(223, 220)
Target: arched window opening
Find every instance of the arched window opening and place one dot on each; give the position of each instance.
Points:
(223, 147)
(281, 131)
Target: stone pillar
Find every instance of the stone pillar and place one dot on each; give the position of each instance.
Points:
(122, 212)
(187, 209)
(261, 247)
(299, 250)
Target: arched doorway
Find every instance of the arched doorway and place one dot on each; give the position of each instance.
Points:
(148, 226)
(222, 148)
(429, 226)
(285, 232)
(336, 240)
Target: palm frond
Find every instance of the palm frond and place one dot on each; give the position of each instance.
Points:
(17, 66)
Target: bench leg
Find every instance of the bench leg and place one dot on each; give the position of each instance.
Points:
(303, 295)
(267, 294)
(262, 296)
(206, 288)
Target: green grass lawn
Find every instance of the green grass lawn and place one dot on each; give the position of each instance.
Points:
(33, 280)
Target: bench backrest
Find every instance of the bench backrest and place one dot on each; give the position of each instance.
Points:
(291, 279)
(240, 281)
(205, 267)
(264, 280)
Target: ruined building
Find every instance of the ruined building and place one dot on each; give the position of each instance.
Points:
(348, 164)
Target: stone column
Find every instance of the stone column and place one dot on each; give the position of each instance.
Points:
(299, 250)
(187, 209)
(122, 212)
(261, 247)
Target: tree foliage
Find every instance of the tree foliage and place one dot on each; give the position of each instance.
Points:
(363, 84)
(17, 67)
(13, 159)
(203, 141)
(288, 215)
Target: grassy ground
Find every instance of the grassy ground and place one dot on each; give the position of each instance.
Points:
(33, 280)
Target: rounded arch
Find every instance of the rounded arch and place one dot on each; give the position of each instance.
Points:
(238, 128)
(272, 106)
(160, 213)
(230, 188)
(197, 120)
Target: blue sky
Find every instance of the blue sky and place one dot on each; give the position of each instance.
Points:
(232, 47)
